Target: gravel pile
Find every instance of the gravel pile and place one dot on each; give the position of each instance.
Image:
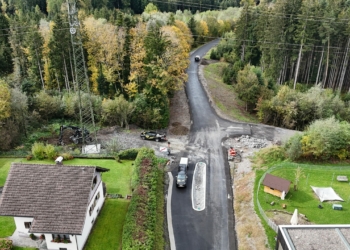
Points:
(245, 141)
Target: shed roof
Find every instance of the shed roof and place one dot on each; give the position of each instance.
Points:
(56, 196)
(277, 183)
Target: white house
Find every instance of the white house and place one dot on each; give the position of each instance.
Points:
(58, 201)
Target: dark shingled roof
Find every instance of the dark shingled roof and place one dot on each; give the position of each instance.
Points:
(276, 183)
(56, 196)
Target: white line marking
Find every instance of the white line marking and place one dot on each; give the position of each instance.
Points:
(168, 210)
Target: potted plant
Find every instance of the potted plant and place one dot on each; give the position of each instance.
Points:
(32, 236)
(42, 237)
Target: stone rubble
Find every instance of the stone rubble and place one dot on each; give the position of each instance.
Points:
(245, 141)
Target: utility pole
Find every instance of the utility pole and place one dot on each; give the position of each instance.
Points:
(86, 114)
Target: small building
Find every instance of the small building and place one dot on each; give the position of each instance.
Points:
(58, 201)
(313, 237)
(276, 185)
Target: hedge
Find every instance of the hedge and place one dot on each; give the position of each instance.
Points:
(140, 224)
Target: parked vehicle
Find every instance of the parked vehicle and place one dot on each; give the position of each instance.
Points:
(197, 58)
(77, 137)
(181, 177)
(152, 135)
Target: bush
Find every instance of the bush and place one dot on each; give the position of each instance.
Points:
(5, 244)
(50, 152)
(269, 155)
(32, 236)
(293, 147)
(67, 156)
(38, 150)
(129, 154)
(48, 106)
(326, 139)
(113, 146)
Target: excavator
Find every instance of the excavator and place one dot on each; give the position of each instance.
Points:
(77, 137)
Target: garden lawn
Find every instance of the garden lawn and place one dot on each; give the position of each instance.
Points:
(304, 199)
(108, 230)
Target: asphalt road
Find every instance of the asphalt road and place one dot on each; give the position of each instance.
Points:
(212, 228)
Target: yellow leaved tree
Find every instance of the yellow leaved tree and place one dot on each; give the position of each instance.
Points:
(137, 55)
(103, 43)
(5, 101)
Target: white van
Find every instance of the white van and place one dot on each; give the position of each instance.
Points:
(181, 177)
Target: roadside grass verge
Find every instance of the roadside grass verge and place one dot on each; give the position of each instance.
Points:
(107, 232)
(224, 95)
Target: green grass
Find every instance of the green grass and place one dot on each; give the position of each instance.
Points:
(7, 226)
(23, 248)
(107, 232)
(224, 95)
(304, 198)
(270, 233)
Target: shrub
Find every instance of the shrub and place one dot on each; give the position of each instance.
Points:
(269, 155)
(113, 146)
(129, 154)
(48, 106)
(67, 156)
(50, 152)
(5, 244)
(29, 157)
(38, 150)
(293, 147)
(326, 139)
(32, 236)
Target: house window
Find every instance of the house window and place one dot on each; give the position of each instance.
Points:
(98, 196)
(62, 248)
(272, 188)
(27, 224)
(94, 182)
(90, 210)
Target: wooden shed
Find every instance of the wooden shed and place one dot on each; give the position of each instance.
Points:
(275, 185)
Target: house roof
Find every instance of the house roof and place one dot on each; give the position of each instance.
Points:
(56, 196)
(277, 183)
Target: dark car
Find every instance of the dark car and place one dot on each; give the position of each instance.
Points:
(197, 58)
(152, 135)
(181, 179)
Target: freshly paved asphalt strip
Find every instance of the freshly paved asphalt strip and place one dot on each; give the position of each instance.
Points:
(168, 210)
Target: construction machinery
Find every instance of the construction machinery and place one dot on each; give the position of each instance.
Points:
(77, 136)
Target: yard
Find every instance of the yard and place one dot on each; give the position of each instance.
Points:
(107, 232)
(304, 199)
